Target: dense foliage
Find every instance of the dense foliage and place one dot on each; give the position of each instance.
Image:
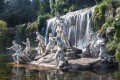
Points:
(3, 34)
(24, 17)
(106, 15)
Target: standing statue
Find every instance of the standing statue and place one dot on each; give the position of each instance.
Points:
(64, 37)
(27, 48)
(18, 50)
(41, 42)
(102, 47)
(59, 55)
(59, 31)
(51, 44)
(93, 51)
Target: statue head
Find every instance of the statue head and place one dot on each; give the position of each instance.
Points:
(14, 42)
(37, 33)
(27, 39)
(50, 35)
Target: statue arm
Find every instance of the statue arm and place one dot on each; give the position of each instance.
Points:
(24, 43)
(10, 47)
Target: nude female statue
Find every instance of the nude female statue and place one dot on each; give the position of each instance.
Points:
(59, 31)
(102, 47)
(64, 37)
(93, 51)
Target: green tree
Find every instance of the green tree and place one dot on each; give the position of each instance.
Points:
(42, 6)
(52, 7)
(3, 35)
(1, 6)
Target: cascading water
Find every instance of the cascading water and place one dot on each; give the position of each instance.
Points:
(76, 26)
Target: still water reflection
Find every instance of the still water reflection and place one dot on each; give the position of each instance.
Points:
(13, 73)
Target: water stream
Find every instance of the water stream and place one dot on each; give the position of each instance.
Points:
(76, 25)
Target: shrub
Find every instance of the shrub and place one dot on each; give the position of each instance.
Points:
(3, 35)
(3, 29)
(117, 54)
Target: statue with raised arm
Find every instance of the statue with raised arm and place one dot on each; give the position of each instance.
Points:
(59, 55)
(18, 50)
(41, 42)
(27, 48)
(102, 46)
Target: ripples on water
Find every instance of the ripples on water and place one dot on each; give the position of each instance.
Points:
(13, 73)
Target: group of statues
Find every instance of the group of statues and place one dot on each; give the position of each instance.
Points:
(97, 45)
(61, 42)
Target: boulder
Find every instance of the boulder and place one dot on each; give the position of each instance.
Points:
(104, 64)
(73, 53)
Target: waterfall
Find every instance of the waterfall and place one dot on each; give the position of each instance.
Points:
(76, 25)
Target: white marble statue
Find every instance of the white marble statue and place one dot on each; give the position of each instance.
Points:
(18, 50)
(27, 48)
(64, 37)
(59, 31)
(41, 42)
(93, 51)
(50, 45)
(59, 55)
(100, 43)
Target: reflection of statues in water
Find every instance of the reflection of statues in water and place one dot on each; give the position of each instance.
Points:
(28, 74)
(27, 48)
(41, 42)
(18, 73)
(51, 44)
(59, 55)
(17, 48)
(101, 44)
